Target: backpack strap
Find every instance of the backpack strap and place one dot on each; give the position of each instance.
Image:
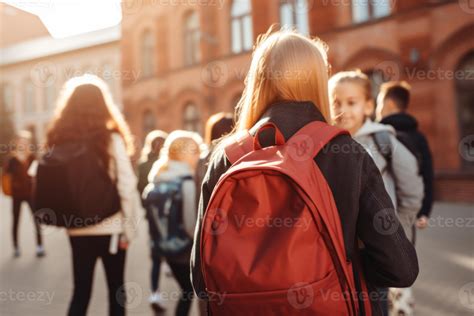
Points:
(239, 145)
(314, 136)
(384, 146)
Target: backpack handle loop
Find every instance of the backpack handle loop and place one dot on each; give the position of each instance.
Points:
(279, 138)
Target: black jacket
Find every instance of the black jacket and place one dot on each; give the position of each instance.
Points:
(389, 260)
(143, 170)
(407, 127)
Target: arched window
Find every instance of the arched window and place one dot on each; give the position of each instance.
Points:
(149, 122)
(294, 13)
(192, 118)
(465, 107)
(147, 54)
(363, 11)
(28, 97)
(377, 77)
(242, 28)
(192, 39)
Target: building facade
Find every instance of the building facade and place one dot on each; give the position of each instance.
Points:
(34, 66)
(192, 57)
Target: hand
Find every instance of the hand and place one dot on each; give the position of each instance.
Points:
(422, 222)
(123, 243)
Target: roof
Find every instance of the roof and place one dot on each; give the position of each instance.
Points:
(47, 45)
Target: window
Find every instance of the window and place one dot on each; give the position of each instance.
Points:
(28, 101)
(242, 28)
(147, 54)
(192, 49)
(192, 118)
(7, 97)
(294, 13)
(377, 77)
(364, 10)
(49, 97)
(465, 108)
(149, 122)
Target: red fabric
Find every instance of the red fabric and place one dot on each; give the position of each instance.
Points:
(272, 241)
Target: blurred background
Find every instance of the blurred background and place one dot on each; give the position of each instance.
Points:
(170, 64)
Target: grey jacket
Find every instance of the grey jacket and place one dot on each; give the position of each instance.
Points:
(402, 179)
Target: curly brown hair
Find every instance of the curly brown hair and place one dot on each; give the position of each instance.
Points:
(86, 112)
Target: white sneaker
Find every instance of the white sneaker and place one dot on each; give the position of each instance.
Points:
(40, 251)
(156, 302)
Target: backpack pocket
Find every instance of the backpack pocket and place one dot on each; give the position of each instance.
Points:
(320, 298)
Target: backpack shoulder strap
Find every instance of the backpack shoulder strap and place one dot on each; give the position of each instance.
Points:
(384, 145)
(238, 146)
(314, 136)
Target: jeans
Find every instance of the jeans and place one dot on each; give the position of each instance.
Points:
(85, 252)
(17, 202)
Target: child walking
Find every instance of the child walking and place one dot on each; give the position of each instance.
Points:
(170, 201)
(286, 91)
(153, 143)
(352, 107)
(21, 185)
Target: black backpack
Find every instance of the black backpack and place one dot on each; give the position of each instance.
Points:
(73, 187)
(384, 146)
(163, 202)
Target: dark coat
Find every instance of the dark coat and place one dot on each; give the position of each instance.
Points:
(143, 170)
(388, 260)
(22, 183)
(407, 126)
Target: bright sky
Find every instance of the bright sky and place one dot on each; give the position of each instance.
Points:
(65, 18)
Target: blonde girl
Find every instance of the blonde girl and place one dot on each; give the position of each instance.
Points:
(177, 164)
(287, 85)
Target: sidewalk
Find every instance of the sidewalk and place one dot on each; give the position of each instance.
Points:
(31, 286)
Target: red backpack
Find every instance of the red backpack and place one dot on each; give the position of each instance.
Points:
(271, 242)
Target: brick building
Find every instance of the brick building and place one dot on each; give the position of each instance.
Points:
(34, 66)
(192, 57)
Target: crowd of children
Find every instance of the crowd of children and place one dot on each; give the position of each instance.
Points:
(181, 183)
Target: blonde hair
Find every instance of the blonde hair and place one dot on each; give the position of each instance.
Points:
(352, 76)
(177, 143)
(285, 66)
(150, 140)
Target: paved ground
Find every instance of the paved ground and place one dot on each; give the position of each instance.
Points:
(30, 286)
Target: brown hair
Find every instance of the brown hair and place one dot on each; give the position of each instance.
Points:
(217, 126)
(398, 91)
(86, 112)
(352, 76)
